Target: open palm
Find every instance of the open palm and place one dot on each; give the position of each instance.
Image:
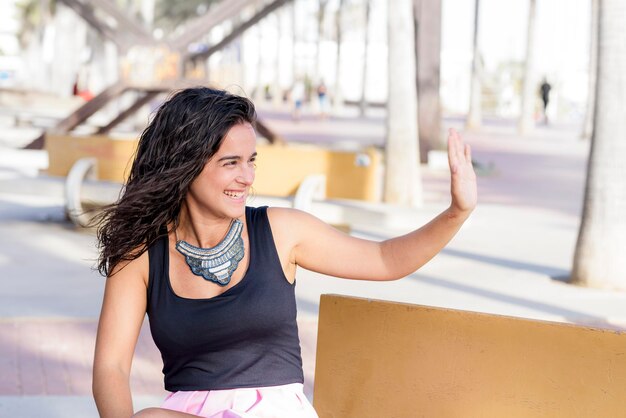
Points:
(463, 178)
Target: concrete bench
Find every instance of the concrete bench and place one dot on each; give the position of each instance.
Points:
(386, 359)
(304, 172)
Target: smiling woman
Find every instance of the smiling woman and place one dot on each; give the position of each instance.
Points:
(217, 278)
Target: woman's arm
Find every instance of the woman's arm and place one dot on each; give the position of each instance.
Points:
(318, 247)
(123, 310)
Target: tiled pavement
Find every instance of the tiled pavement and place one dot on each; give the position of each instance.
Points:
(34, 361)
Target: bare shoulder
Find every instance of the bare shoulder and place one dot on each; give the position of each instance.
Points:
(289, 219)
(281, 215)
(136, 270)
(296, 224)
(289, 226)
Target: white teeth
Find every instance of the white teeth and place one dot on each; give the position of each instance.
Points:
(235, 195)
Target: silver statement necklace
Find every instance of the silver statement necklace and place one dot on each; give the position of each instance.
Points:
(215, 264)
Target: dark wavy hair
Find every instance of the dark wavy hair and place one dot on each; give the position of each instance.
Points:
(186, 131)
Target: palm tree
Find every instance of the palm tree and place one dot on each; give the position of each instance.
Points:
(366, 45)
(428, 53)
(277, 96)
(526, 120)
(321, 16)
(338, 94)
(593, 70)
(402, 178)
(599, 257)
(474, 117)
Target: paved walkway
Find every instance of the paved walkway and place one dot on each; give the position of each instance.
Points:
(511, 258)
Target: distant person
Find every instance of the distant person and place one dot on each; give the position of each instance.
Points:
(297, 96)
(322, 99)
(217, 277)
(544, 90)
(267, 91)
(75, 90)
(85, 94)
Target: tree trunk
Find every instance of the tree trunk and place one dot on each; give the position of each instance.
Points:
(366, 46)
(529, 89)
(321, 14)
(70, 36)
(474, 117)
(402, 178)
(599, 258)
(593, 71)
(337, 93)
(294, 43)
(428, 18)
(277, 91)
(147, 13)
(259, 88)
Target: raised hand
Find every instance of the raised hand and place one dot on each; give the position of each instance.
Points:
(463, 179)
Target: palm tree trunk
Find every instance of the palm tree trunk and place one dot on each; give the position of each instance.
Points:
(599, 258)
(474, 117)
(147, 13)
(321, 14)
(402, 180)
(337, 93)
(258, 89)
(294, 42)
(70, 36)
(366, 46)
(277, 91)
(593, 72)
(527, 116)
(428, 41)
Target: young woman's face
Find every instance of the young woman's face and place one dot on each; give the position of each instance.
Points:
(223, 185)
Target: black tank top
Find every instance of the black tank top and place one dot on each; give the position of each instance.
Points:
(245, 337)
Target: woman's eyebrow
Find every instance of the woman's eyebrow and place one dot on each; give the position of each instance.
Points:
(234, 157)
(229, 157)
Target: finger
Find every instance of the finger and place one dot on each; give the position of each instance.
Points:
(455, 138)
(468, 153)
(454, 135)
(459, 146)
(453, 160)
(462, 148)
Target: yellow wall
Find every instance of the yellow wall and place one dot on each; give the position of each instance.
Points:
(385, 359)
(280, 169)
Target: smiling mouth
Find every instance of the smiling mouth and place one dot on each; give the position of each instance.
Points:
(234, 195)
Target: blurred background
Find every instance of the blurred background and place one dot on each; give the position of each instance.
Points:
(264, 48)
(354, 101)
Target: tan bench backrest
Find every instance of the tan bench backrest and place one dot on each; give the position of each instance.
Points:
(385, 359)
(281, 169)
(113, 155)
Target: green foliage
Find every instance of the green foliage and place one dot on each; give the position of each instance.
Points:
(169, 14)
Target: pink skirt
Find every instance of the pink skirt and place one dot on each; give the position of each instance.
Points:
(265, 402)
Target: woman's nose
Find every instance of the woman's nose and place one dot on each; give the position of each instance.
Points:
(247, 175)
